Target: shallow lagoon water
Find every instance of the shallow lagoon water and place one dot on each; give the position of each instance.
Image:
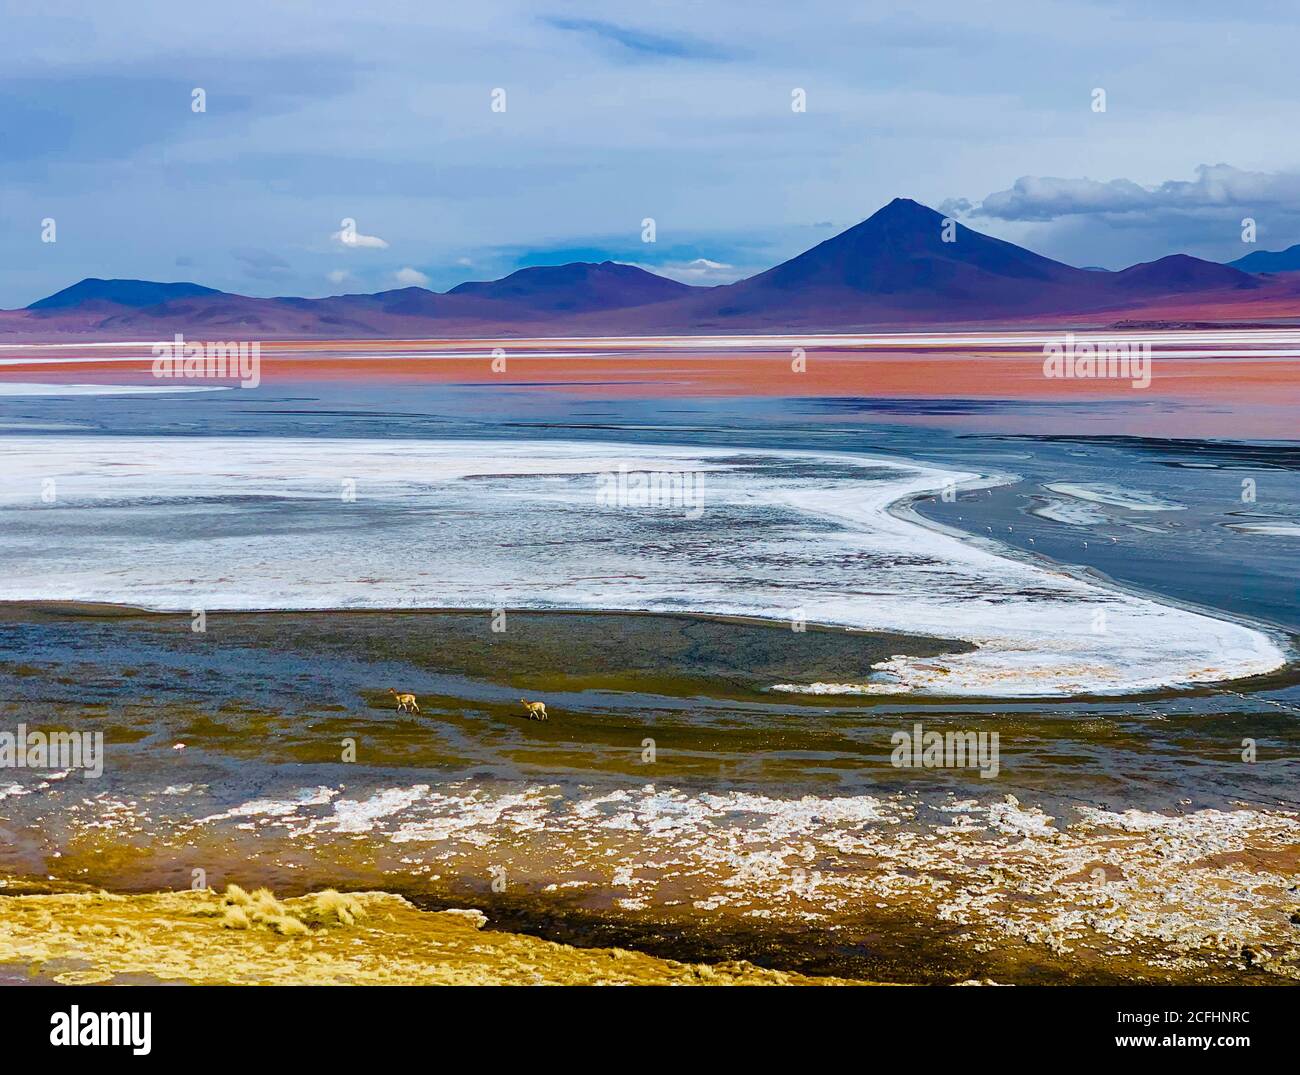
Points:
(772, 826)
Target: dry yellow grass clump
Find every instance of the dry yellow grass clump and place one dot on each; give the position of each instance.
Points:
(260, 908)
(364, 938)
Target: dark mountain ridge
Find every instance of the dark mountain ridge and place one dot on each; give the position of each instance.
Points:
(904, 265)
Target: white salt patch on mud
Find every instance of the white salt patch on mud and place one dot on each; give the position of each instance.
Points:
(476, 820)
(1114, 496)
(251, 523)
(1068, 512)
(275, 807)
(845, 688)
(1013, 819)
(352, 815)
(1204, 830)
(1192, 891)
(1274, 529)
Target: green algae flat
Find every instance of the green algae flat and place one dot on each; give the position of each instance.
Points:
(676, 655)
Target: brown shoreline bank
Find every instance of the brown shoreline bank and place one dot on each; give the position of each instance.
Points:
(327, 938)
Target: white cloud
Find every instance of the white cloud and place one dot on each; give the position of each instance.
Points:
(352, 239)
(339, 276)
(409, 277)
(699, 271)
(1218, 186)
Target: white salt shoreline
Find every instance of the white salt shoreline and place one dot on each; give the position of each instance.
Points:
(179, 523)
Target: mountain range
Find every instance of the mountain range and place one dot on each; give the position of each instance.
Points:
(1287, 260)
(905, 266)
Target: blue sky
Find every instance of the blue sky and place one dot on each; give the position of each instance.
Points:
(616, 112)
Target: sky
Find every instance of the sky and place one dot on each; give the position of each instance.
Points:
(468, 140)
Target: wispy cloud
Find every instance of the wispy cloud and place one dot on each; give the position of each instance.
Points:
(261, 264)
(630, 43)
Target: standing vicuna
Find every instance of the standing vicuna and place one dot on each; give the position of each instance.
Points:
(536, 710)
(405, 702)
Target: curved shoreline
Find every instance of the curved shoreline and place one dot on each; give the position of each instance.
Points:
(1289, 645)
(24, 610)
(1030, 623)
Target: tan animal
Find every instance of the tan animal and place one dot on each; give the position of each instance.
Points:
(405, 702)
(536, 710)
